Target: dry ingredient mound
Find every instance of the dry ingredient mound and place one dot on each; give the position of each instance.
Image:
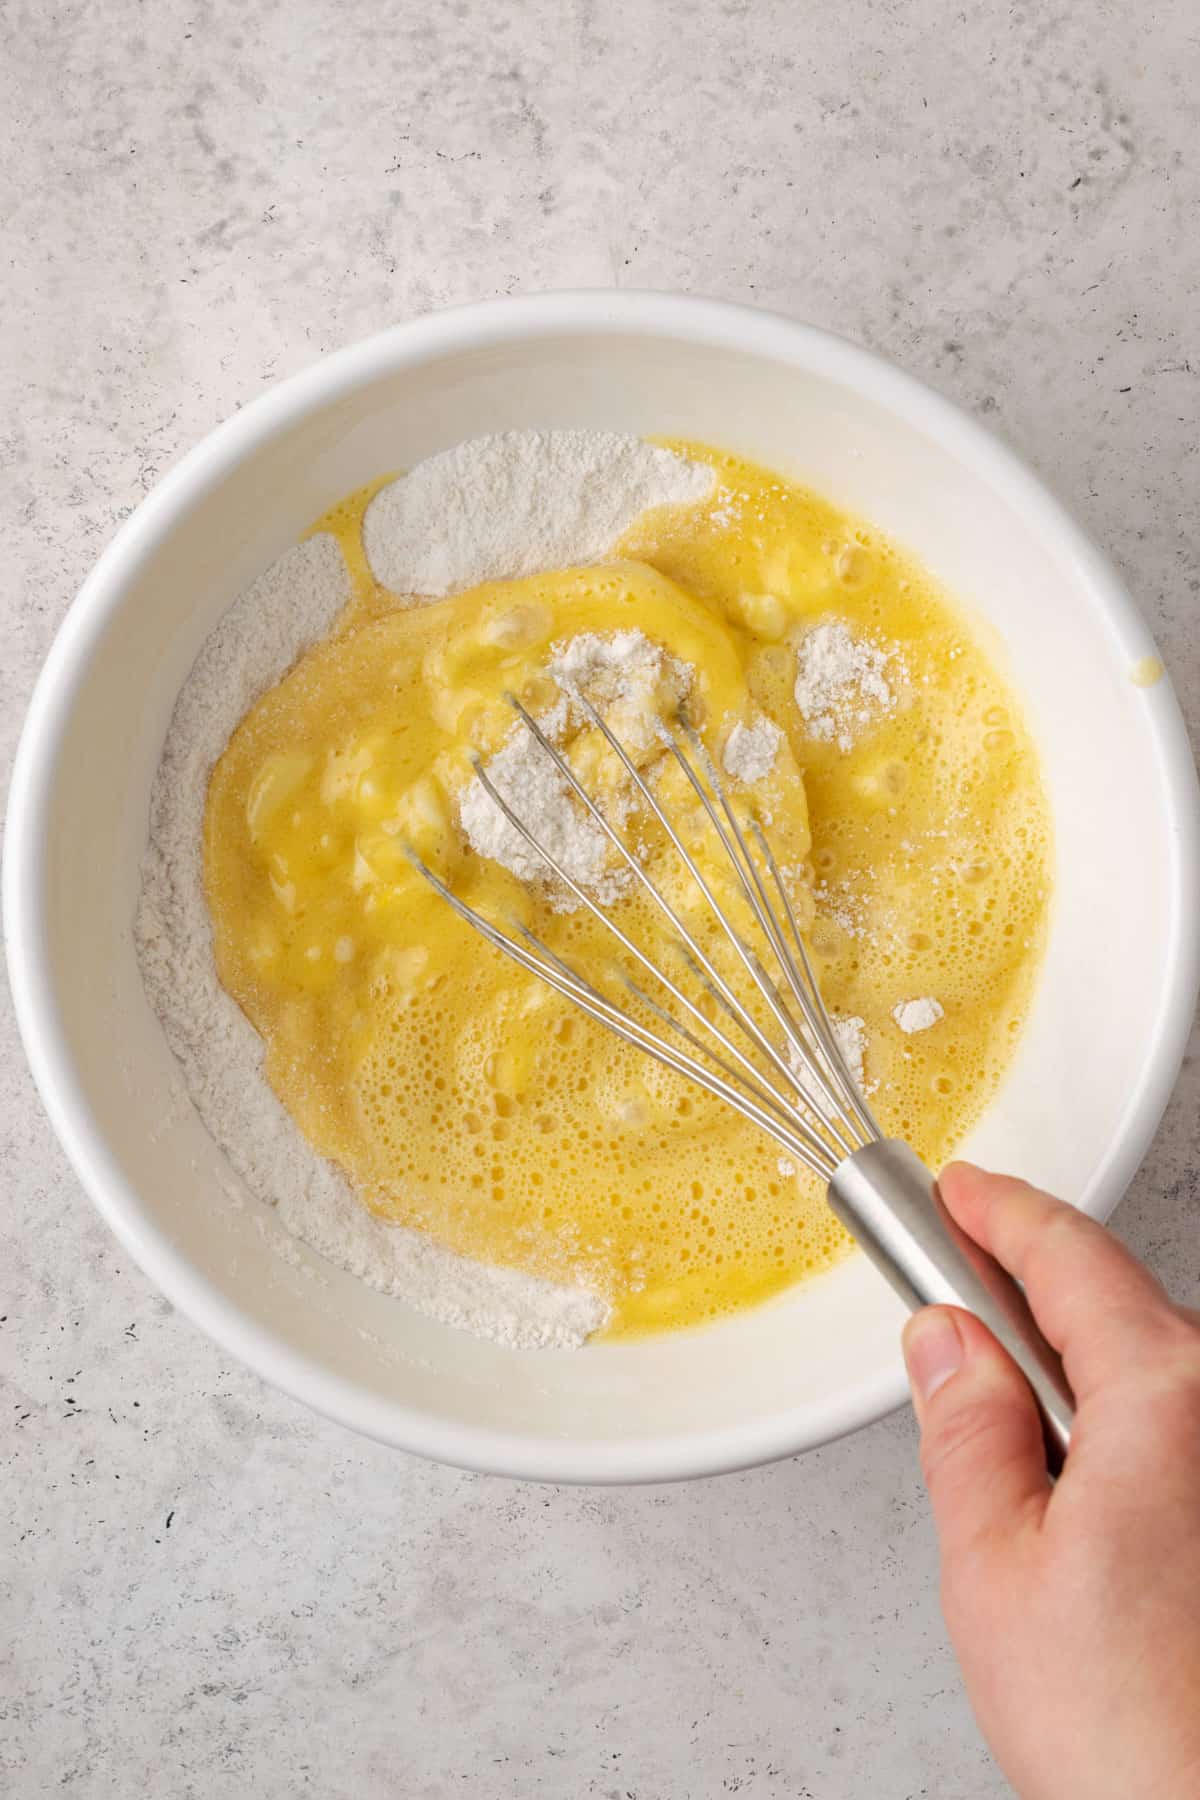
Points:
(750, 749)
(842, 683)
(572, 493)
(518, 503)
(623, 676)
(850, 1036)
(918, 1015)
(527, 777)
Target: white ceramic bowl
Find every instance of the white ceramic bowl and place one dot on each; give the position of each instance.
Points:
(1095, 1066)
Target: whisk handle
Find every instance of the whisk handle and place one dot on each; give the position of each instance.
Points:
(889, 1202)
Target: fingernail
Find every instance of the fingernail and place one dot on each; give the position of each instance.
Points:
(933, 1351)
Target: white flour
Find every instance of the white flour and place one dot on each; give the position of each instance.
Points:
(623, 676)
(289, 607)
(528, 778)
(516, 504)
(850, 1036)
(750, 749)
(918, 1015)
(842, 683)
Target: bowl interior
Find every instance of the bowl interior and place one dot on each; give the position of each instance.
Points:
(1072, 1115)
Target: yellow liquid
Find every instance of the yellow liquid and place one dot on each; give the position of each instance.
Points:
(460, 1095)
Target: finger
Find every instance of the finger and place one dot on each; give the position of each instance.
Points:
(982, 1449)
(1100, 1307)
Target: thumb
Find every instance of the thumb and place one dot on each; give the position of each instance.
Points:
(982, 1450)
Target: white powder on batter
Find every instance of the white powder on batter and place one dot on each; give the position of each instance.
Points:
(850, 1036)
(842, 683)
(750, 750)
(528, 778)
(628, 680)
(519, 503)
(918, 1015)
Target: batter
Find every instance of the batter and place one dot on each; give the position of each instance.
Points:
(464, 1098)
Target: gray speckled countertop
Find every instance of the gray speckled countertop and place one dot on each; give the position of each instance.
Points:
(205, 1590)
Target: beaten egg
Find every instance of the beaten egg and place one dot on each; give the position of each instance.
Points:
(463, 1097)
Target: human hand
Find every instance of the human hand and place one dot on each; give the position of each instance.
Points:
(1074, 1609)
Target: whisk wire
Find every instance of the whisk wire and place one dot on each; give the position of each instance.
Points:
(743, 1018)
(622, 937)
(820, 1118)
(878, 1188)
(756, 897)
(746, 955)
(829, 1067)
(808, 995)
(765, 1096)
(777, 1123)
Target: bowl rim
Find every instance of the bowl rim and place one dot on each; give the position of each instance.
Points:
(700, 322)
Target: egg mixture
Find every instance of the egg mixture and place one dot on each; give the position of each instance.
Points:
(461, 1096)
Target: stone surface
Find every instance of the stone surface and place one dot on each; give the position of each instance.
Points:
(205, 1590)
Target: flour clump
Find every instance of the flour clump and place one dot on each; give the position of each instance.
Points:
(528, 778)
(750, 750)
(518, 503)
(850, 1036)
(632, 684)
(918, 1015)
(842, 683)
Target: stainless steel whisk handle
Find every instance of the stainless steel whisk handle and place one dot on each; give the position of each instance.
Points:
(888, 1201)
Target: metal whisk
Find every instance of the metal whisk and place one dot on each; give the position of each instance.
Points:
(766, 1046)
